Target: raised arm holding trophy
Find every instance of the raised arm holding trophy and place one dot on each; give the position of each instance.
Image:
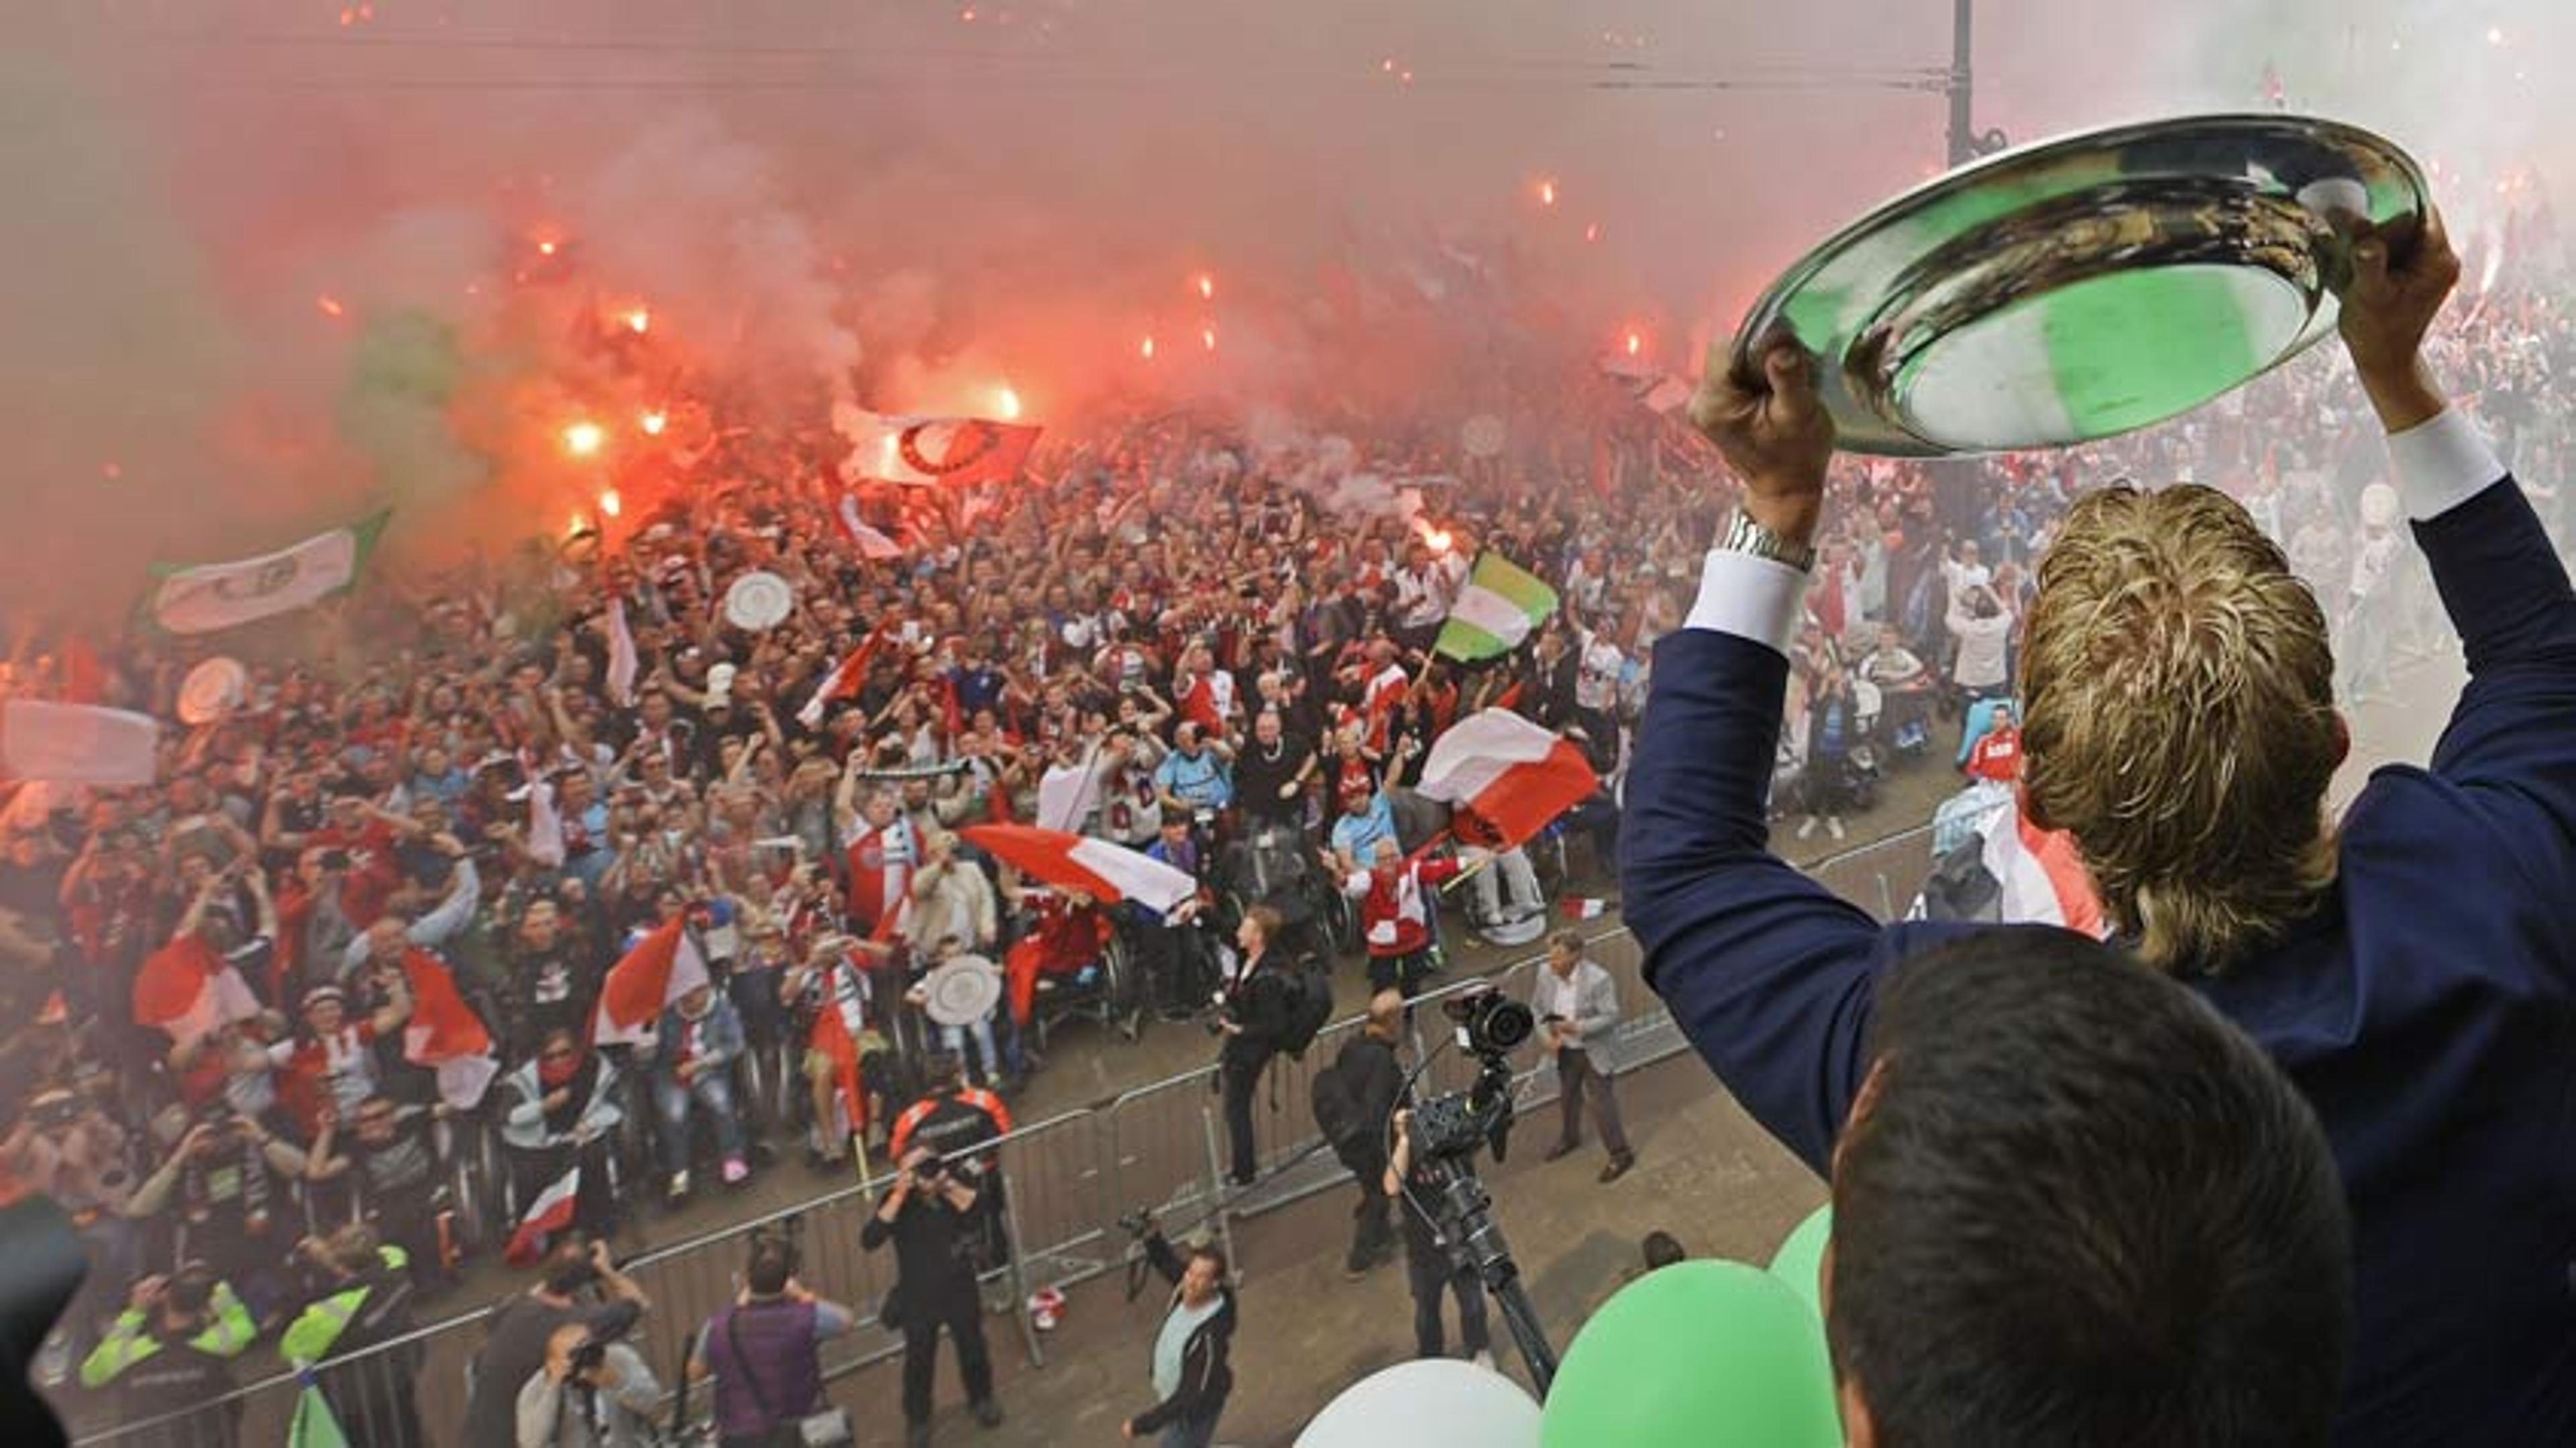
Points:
(2411, 967)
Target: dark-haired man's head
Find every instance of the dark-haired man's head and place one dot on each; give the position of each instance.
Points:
(773, 1262)
(2074, 1206)
(568, 1267)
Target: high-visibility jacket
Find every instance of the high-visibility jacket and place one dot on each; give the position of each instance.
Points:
(128, 1342)
(319, 1328)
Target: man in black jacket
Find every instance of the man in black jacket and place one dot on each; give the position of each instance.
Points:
(930, 1216)
(1361, 1089)
(1192, 1374)
(1254, 1022)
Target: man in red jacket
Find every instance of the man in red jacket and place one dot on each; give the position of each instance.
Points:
(1997, 756)
(1396, 911)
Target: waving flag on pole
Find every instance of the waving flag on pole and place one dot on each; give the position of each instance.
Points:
(213, 596)
(550, 1213)
(662, 967)
(1107, 873)
(1497, 609)
(445, 1034)
(932, 452)
(77, 743)
(1513, 774)
(873, 545)
(844, 682)
(187, 990)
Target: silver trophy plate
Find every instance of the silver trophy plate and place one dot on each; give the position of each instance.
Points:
(2087, 286)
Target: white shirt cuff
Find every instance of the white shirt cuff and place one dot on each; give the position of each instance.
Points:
(1751, 598)
(2441, 464)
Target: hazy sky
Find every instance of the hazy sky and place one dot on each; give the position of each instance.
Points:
(895, 192)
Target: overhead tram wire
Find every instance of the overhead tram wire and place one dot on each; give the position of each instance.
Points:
(902, 65)
(1075, 79)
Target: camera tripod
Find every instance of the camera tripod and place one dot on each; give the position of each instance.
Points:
(1475, 1243)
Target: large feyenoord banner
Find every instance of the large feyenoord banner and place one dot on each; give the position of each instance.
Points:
(932, 452)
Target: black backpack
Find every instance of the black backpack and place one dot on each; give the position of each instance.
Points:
(1309, 993)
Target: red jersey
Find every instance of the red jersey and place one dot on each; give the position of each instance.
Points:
(1997, 756)
(1395, 916)
(881, 862)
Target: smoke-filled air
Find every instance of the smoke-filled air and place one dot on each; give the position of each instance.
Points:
(269, 267)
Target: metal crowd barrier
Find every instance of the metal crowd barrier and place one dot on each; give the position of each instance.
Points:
(1067, 1180)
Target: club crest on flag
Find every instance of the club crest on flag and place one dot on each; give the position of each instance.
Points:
(933, 451)
(213, 596)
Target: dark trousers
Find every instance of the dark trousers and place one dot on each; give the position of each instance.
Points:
(1576, 1077)
(1404, 973)
(1428, 1272)
(1241, 1077)
(963, 1315)
(1373, 1220)
(1196, 1432)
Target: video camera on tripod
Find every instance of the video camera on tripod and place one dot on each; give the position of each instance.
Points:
(1490, 1026)
(1445, 1132)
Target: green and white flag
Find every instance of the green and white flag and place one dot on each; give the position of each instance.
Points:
(313, 1426)
(213, 596)
(1495, 611)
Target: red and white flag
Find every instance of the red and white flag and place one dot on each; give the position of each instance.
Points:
(662, 967)
(77, 743)
(932, 452)
(2042, 880)
(844, 682)
(187, 990)
(622, 663)
(445, 1034)
(873, 545)
(550, 1213)
(1107, 873)
(1512, 773)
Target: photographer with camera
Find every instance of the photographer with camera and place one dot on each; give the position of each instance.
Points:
(229, 1184)
(65, 1148)
(593, 1392)
(1193, 1373)
(1429, 1267)
(959, 1123)
(1253, 1018)
(930, 1216)
(765, 1354)
(581, 1287)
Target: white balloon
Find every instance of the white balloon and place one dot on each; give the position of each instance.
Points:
(1433, 1403)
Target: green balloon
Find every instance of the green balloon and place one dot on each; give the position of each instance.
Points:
(1696, 1355)
(1800, 1262)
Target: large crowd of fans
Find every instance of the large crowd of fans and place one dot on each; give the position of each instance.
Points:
(447, 795)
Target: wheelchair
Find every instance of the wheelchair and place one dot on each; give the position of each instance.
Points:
(1274, 866)
(1109, 992)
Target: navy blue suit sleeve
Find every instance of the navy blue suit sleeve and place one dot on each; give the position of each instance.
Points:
(1769, 974)
(2511, 742)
